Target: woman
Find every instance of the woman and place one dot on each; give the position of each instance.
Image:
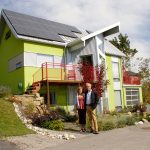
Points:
(80, 107)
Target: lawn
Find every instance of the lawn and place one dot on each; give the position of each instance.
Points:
(10, 124)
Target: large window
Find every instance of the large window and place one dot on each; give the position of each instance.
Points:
(132, 96)
(115, 68)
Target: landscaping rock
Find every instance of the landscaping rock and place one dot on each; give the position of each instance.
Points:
(41, 131)
(140, 122)
(144, 120)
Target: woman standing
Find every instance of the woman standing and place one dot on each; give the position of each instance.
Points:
(80, 107)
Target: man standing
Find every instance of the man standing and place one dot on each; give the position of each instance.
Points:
(91, 101)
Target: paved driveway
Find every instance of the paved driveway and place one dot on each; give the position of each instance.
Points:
(130, 138)
(4, 145)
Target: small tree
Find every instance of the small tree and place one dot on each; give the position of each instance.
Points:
(122, 42)
(87, 71)
(144, 72)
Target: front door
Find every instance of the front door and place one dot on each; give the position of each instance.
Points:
(88, 59)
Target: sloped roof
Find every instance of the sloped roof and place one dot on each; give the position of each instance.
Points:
(30, 26)
(112, 50)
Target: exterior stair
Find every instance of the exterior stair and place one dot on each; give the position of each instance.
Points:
(34, 88)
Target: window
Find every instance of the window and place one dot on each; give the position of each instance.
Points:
(115, 68)
(18, 65)
(15, 63)
(8, 35)
(41, 58)
(117, 98)
(132, 96)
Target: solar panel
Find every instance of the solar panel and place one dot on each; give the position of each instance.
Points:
(39, 28)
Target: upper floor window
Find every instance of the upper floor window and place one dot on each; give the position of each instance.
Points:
(115, 68)
(18, 65)
(8, 35)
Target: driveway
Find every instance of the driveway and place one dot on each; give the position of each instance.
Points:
(4, 145)
(129, 138)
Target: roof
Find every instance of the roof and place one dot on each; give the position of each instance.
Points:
(132, 73)
(106, 31)
(30, 26)
(112, 50)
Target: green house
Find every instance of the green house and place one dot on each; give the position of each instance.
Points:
(35, 50)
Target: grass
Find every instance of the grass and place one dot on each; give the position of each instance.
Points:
(10, 124)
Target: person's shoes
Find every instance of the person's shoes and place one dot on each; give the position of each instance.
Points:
(95, 132)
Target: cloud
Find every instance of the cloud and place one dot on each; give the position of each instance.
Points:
(94, 14)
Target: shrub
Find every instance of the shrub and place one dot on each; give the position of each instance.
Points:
(61, 111)
(29, 109)
(100, 127)
(66, 116)
(121, 122)
(38, 120)
(70, 118)
(113, 113)
(108, 125)
(130, 120)
(53, 125)
(5, 91)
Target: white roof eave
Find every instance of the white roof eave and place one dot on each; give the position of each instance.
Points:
(101, 31)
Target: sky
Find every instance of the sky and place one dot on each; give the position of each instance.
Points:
(93, 15)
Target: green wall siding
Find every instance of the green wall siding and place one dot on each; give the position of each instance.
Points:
(8, 49)
(111, 83)
(42, 49)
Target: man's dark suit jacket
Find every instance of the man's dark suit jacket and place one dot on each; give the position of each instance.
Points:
(94, 99)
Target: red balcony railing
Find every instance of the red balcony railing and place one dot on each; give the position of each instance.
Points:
(61, 72)
(57, 71)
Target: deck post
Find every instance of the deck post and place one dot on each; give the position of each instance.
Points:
(48, 93)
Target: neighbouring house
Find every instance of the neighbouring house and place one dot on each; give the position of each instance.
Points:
(40, 54)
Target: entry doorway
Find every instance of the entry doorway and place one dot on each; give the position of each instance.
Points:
(87, 58)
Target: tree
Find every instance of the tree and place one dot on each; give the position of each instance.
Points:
(122, 42)
(144, 72)
(87, 71)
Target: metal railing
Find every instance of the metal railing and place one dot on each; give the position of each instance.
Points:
(57, 71)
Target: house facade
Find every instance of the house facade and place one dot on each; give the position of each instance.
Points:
(34, 50)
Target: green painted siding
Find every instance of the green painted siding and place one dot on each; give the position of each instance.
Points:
(8, 49)
(42, 49)
(111, 83)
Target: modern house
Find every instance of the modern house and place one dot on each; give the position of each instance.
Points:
(38, 51)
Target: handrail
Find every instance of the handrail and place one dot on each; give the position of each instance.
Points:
(59, 71)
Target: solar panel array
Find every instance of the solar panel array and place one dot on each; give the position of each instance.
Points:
(39, 28)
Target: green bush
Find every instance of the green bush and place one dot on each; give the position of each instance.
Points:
(114, 113)
(108, 125)
(53, 125)
(29, 108)
(71, 118)
(130, 120)
(5, 91)
(121, 122)
(100, 125)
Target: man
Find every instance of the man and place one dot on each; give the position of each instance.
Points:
(91, 101)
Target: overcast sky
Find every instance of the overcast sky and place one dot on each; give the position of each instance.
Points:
(134, 16)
